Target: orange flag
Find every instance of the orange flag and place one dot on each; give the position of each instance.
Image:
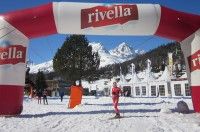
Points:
(75, 96)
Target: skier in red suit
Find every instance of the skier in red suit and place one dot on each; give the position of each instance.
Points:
(116, 91)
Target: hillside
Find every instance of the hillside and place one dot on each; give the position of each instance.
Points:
(158, 57)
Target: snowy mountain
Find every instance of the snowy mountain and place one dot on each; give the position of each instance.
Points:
(98, 47)
(45, 67)
(121, 53)
(105, 57)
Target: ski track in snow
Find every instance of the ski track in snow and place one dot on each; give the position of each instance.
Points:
(140, 115)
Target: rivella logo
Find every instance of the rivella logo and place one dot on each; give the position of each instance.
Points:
(194, 61)
(108, 15)
(11, 54)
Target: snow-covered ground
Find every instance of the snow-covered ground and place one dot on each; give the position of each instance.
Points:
(140, 115)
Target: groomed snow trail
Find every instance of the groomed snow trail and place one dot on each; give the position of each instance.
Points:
(140, 115)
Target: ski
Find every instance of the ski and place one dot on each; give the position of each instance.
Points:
(112, 118)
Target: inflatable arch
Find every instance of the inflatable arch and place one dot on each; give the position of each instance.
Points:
(16, 28)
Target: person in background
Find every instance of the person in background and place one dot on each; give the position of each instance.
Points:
(116, 92)
(39, 95)
(45, 97)
(61, 95)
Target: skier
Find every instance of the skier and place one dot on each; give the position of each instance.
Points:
(116, 91)
(45, 96)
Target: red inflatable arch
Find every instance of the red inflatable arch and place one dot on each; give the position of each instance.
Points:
(90, 18)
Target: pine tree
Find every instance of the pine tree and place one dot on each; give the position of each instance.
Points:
(40, 82)
(75, 60)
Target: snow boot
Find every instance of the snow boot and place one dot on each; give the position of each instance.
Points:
(117, 115)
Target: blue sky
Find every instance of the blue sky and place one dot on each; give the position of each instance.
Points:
(43, 49)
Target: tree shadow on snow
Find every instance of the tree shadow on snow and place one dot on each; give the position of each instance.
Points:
(128, 103)
(138, 116)
(56, 104)
(87, 113)
(177, 111)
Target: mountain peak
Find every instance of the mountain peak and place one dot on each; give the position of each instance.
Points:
(124, 47)
(123, 44)
(123, 50)
(98, 47)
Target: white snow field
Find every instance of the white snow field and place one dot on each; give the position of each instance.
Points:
(93, 115)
